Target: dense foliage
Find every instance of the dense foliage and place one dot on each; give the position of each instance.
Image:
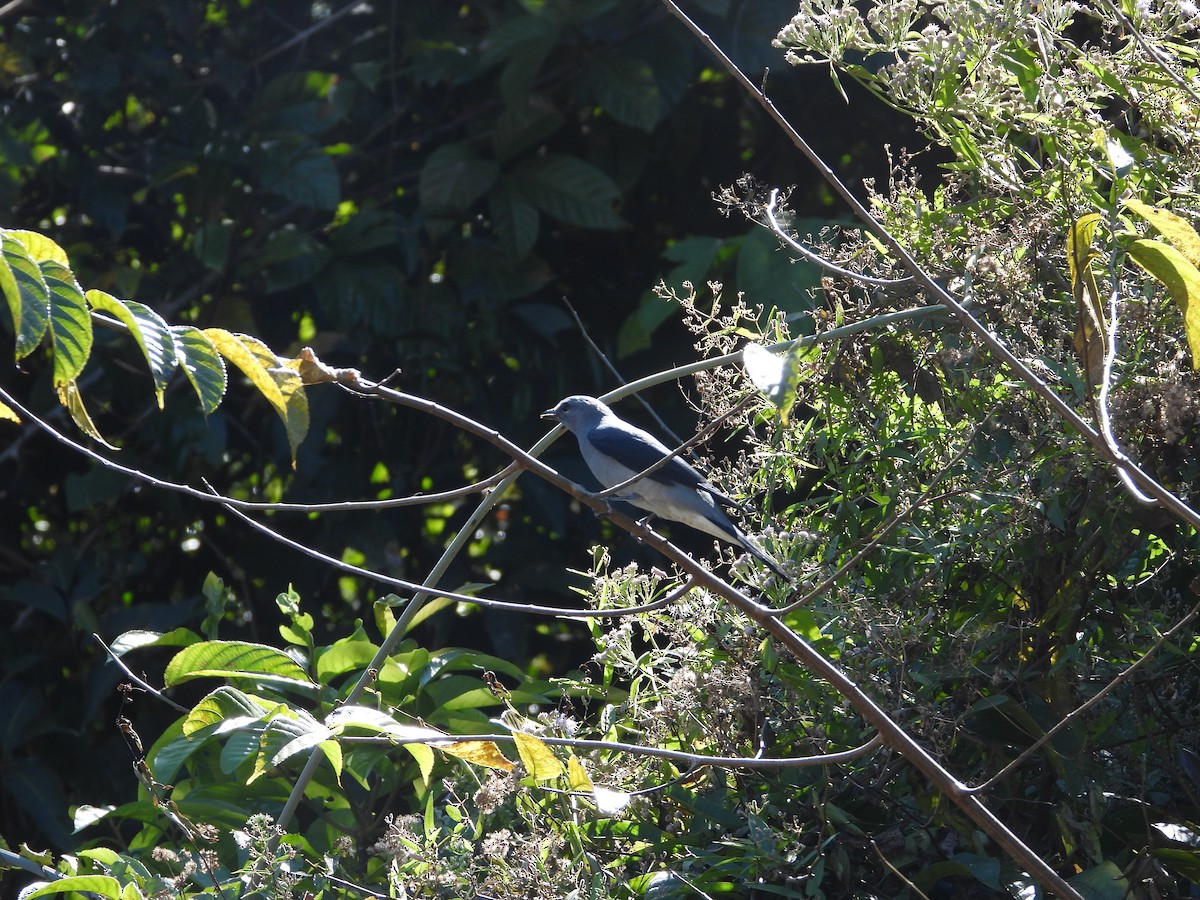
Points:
(966, 559)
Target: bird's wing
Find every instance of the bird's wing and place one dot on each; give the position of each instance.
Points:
(637, 451)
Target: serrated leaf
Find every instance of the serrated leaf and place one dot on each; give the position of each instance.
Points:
(69, 396)
(301, 172)
(482, 753)
(514, 221)
(27, 294)
(1174, 228)
(280, 384)
(1180, 278)
(221, 705)
(40, 247)
(540, 761)
(233, 659)
(152, 334)
(627, 90)
(1091, 325)
(70, 323)
(202, 365)
(571, 190)
(454, 177)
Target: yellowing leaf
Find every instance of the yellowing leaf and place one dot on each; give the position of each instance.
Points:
(482, 753)
(69, 396)
(40, 247)
(1180, 278)
(1175, 229)
(7, 413)
(577, 776)
(281, 385)
(147, 327)
(1091, 330)
(540, 762)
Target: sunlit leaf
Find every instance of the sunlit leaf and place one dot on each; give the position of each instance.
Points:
(221, 705)
(577, 776)
(69, 396)
(152, 334)
(540, 761)
(202, 365)
(775, 375)
(424, 756)
(26, 291)
(101, 885)
(233, 659)
(70, 322)
(1174, 228)
(369, 719)
(7, 413)
(1180, 278)
(1091, 329)
(482, 753)
(609, 802)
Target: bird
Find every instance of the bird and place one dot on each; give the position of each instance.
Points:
(616, 451)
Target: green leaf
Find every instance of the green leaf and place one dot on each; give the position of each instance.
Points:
(571, 190)
(424, 756)
(202, 365)
(1180, 278)
(233, 659)
(26, 291)
(1102, 882)
(300, 172)
(101, 885)
(514, 220)
(147, 327)
(70, 323)
(222, 704)
(522, 124)
(453, 178)
(137, 638)
(627, 90)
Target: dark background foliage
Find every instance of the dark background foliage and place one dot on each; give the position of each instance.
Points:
(406, 185)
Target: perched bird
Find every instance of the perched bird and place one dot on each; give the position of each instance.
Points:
(615, 451)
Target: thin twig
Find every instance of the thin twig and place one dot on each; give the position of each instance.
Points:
(984, 335)
(140, 682)
(821, 261)
(1081, 709)
(884, 530)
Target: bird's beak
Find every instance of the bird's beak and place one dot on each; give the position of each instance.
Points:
(550, 414)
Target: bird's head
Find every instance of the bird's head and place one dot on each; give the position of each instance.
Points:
(577, 413)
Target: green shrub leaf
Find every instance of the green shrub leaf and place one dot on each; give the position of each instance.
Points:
(233, 659)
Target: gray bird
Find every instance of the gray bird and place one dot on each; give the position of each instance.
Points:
(615, 451)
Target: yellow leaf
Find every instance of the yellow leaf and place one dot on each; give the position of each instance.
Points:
(1091, 331)
(7, 413)
(69, 396)
(40, 247)
(577, 776)
(1180, 278)
(1175, 229)
(482, 753)
(281, 385)
(540, 762)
